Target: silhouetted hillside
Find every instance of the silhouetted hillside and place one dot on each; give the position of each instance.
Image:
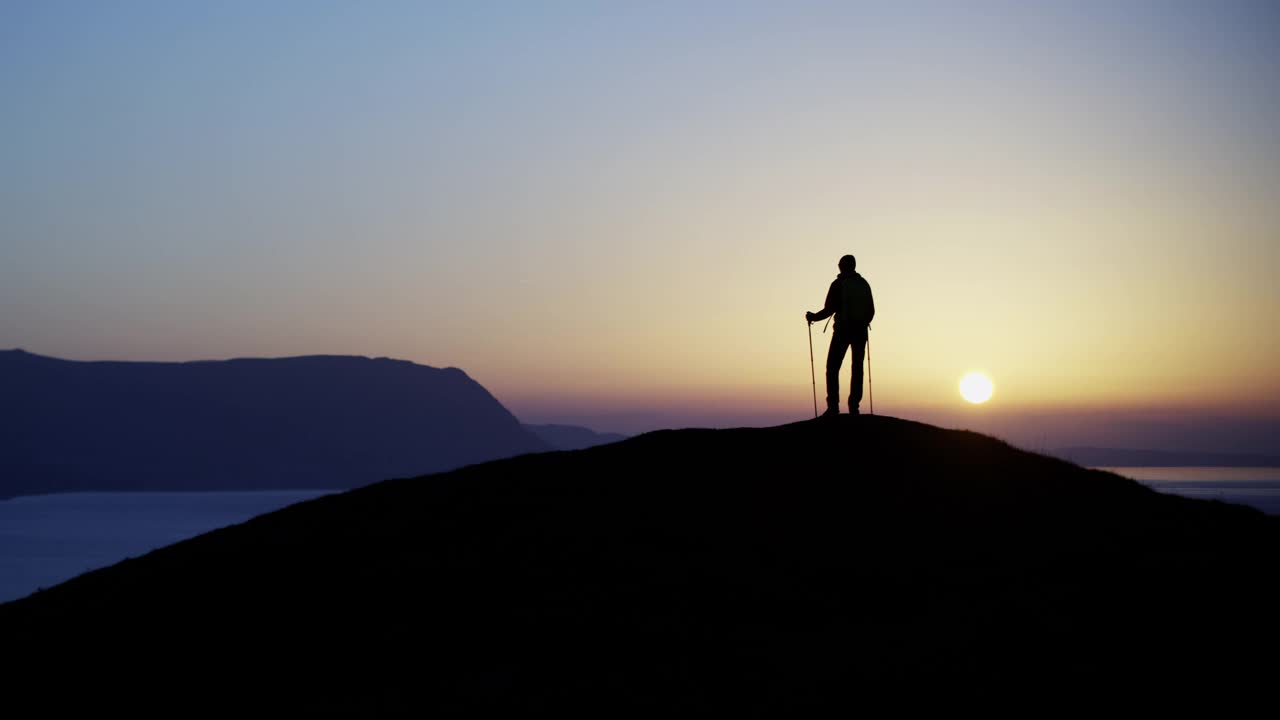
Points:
(1124, 457)
(814, 567)
(305, 422)
(572, 437)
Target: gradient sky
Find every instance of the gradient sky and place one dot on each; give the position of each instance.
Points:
(617, 213)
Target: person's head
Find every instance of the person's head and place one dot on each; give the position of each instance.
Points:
(848, 264)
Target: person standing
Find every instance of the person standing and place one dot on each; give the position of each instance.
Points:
(849, 299)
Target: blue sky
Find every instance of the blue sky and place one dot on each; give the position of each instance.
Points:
(624, 208)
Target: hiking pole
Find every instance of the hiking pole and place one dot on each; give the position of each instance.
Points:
(812, 377)
(870, 395)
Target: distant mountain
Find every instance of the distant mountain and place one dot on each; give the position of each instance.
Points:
(303, 422)
(1124, 457)
(572, 437)
(816, 569)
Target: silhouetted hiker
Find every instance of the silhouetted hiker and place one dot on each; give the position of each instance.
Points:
(849, 299)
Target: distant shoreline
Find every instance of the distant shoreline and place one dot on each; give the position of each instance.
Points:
(264, 491)
(1096, 457)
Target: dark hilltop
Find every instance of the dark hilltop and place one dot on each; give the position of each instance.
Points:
(819, 566)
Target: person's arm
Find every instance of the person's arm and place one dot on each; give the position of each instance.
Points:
(872, 303)
(833, 304)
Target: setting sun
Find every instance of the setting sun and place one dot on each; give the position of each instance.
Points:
(976, 388)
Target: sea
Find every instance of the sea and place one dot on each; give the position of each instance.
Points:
(1256, 487)
(47, 539)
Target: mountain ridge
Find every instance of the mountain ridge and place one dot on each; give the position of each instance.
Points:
(572, 437)
(305, 422)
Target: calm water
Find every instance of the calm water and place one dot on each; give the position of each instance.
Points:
(1255, 487)
(46, 539)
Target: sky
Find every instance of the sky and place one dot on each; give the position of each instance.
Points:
(616, 214)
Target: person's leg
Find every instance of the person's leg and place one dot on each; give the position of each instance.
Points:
(859, 343)
(835, 356)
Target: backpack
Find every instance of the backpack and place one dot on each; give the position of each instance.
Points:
(856, 307)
